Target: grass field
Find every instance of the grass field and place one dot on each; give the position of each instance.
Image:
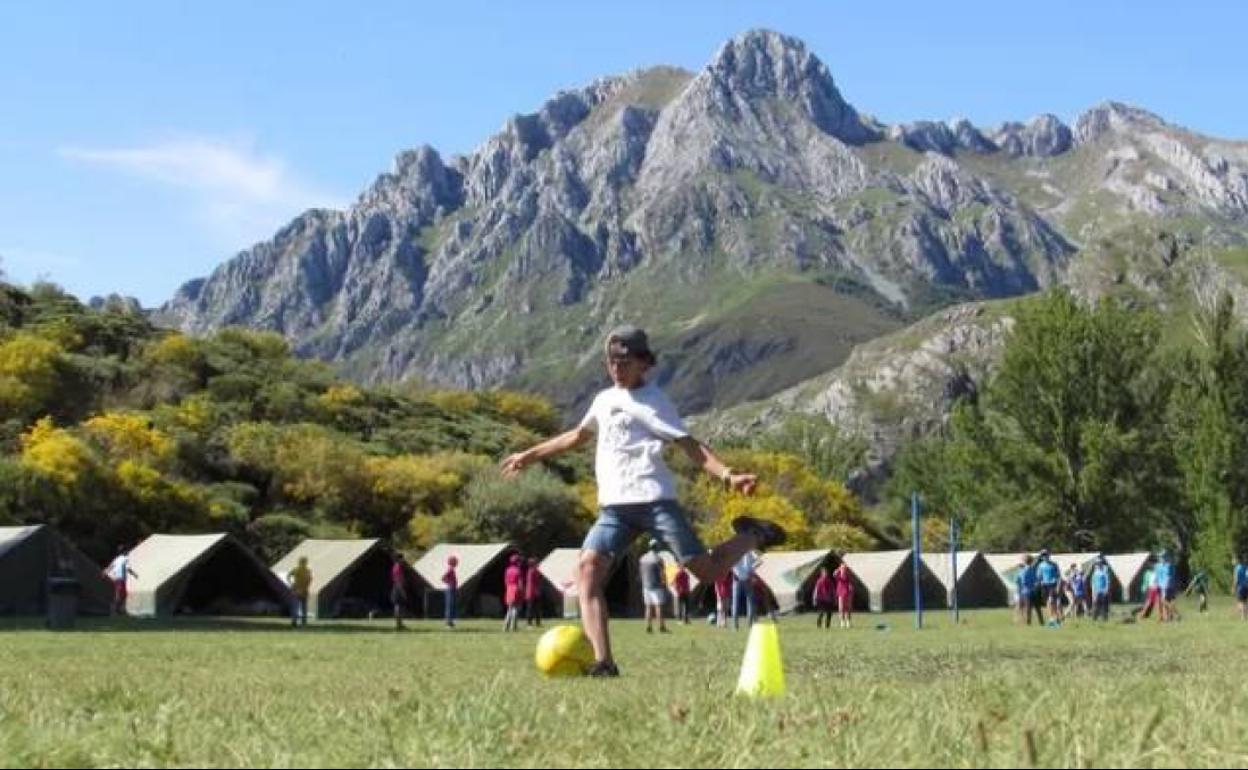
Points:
(984, 693)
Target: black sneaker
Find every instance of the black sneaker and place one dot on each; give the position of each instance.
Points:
(768, 534)
(603, 668)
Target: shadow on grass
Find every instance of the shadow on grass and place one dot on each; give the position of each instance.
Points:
(205, 624)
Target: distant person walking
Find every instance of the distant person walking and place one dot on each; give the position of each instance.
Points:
(1166, 589)
(450, 583)
(844, 580)
(118, 572)
(1049, 575)
(743, 588)
(398, 589)
(1029, 591)
(723, 599)
(1148, 587)
(1100, 589)
(533, 594)
(681, 589)
(653, 587)
(823, 595)
(1199, 585)
(1077, 588)
(513, 592)
(300, 581)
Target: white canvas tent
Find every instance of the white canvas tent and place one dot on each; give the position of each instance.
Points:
(31, 556)
(790, 576)
(1128, 569)
(1083, 559)
(202, 574)
(978, 583)
(889, 579)
(480, 574)
(623, 589)
(1006, 565)
(350, 578)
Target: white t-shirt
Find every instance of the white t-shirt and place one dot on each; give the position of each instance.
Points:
(120, 565)
(632, 426)
(744, 568)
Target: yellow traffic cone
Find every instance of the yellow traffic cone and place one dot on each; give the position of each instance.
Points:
(762, 671)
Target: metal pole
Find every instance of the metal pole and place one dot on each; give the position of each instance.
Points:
(953, 560)
(917, 556)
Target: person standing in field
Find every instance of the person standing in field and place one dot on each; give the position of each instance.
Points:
(533, 594)
(1199, 585)
(636, 490)
(398, 589)
(300, 581)
(513, 592)
(1148, 587)
(1100, 589)
(118, 572)
(1239, 586)
(743, 589)
(1166, 593)
(681, 589)
(844, 580)
(723, 599)
(1077, 587)
(1029, 591)
(1049, 577)
(450, 588)
(823, 598)
(653, 587)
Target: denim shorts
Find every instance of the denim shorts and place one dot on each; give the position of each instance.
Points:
(619, 525)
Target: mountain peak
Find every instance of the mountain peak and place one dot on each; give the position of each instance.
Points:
(1108, 117)
(762, 64)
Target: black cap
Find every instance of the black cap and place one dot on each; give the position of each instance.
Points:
(628, 340)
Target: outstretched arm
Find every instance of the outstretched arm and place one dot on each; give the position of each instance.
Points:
(517, 462)
(705, 459)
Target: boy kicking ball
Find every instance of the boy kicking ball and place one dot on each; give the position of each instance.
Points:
(633, 419)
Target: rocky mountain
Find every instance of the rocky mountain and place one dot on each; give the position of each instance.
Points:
(901, 386)
(759, 225)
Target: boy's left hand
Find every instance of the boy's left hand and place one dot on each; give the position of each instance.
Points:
(515, 463)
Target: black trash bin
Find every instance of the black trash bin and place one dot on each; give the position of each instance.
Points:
(63, 602)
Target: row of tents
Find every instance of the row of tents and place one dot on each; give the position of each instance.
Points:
(216, 574)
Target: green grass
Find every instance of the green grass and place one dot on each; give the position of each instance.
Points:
(985, 693)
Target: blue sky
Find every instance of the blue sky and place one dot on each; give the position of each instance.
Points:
(141, 144)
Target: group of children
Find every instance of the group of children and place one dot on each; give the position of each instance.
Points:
(838, 584)
(522, 587)
(1041, 587)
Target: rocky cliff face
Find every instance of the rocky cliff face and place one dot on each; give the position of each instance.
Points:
(724, 209)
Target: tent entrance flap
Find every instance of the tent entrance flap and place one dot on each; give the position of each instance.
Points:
(367, 589)
(228, 583)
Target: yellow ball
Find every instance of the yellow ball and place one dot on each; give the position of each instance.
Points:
(564, 651)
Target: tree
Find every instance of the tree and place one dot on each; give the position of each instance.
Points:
(535, 511)
(1066, 447)
(31, 372)
(822, 445)
(1208, 420)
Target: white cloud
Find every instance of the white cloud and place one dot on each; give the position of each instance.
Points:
(239, 194)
